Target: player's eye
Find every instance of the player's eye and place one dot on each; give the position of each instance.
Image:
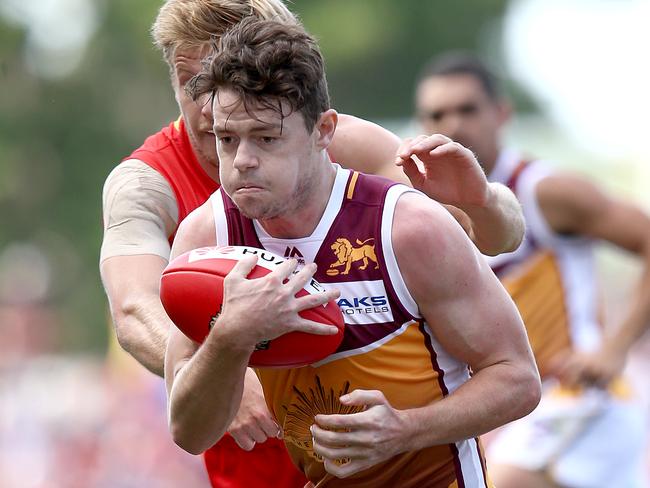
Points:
(268, 139)
(468, 109)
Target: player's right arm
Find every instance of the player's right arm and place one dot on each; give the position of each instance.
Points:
(472, 317)
(205, 383)
(139, 213)
(573, 206)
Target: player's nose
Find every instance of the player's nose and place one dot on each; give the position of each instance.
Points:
(452, 126)
(245, 157)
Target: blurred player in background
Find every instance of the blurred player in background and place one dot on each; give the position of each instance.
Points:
(395, 405)
(589, 430)
(175, 170)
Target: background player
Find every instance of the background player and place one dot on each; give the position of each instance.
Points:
(595, 436)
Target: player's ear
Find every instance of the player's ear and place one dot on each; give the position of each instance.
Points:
(325, 127)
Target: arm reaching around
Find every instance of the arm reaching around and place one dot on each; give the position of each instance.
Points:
(139, 212)
(141, 324)
(453, 176)
(489, 212)
(253, 423)
(473, 318)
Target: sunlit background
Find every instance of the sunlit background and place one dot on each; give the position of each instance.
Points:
(81, 86)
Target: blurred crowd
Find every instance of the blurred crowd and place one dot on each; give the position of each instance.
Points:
(93, 421)
(79, 420)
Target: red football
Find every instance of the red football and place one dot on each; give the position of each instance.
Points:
(191, 290)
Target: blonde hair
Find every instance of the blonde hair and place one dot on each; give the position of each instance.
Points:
(194, 23)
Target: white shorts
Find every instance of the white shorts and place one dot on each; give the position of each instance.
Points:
(591, 440)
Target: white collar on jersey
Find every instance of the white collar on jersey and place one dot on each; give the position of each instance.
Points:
(331, 210)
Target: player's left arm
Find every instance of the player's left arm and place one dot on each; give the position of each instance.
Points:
(210, 389)
(473, 318)
(573, 205)
(489, 212)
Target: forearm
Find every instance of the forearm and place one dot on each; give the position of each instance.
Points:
(132, 286)
(637, 320)
(491, 398)
(498, 225)
(142, 327)
(206, 394)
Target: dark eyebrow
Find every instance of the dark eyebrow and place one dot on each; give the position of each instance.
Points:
(264, 126)
(261, 126)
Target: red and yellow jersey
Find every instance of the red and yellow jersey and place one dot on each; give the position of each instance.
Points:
(550, 277)
(170, 152)
(387, 344)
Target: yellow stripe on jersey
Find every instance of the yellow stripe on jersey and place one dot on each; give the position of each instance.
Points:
(353, 182)
(537, 290)
(177, 122)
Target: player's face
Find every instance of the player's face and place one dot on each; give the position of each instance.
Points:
(458, 107)
(198, 122)
(268, 164)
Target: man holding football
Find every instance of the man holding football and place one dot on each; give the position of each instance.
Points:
(404, 410)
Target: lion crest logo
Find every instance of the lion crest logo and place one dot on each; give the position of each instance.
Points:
(346, 254)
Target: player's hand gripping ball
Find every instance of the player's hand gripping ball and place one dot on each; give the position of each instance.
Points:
(191, 290)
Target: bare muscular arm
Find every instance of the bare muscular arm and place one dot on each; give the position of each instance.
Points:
(139, 215)
(575, 206)
(473, 318)
(141, 324)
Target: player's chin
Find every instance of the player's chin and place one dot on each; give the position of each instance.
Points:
(253, 208)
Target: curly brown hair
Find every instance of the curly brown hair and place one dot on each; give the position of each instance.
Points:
(267, 63)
